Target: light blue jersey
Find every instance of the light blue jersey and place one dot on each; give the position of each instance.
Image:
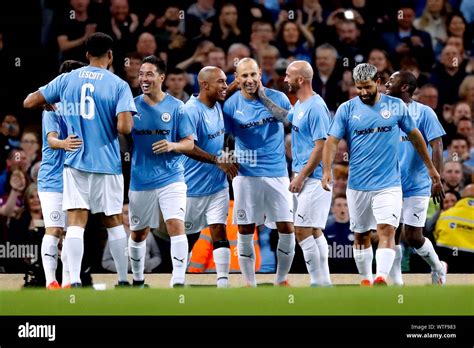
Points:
(309, 122)
(373, 138)
(259, 137)
(205, 179)
(164, 120)
(90, 100)
(415, 178)
(50, 175)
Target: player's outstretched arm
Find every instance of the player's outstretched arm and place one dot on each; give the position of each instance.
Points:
(71, 143)
(418, 142)
(34, 100)
(198, 154)
(315, 158)
(437, 158)
(224, 162)
(124, 122)
(278, 112)
(162, 146)
(329, 152)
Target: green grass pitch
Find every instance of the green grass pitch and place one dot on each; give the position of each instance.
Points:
(264, 300)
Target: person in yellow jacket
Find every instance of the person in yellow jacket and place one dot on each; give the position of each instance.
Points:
(202, 260)
(454, 233)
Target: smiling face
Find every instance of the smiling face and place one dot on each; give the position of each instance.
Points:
(216, 87)
(149, 78)
(248, 76)
(293, 79)
(394, 85)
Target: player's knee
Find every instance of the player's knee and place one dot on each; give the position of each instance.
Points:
(302, 233)
(413, 236)
(54, 231)
(221, 244)
(139, 236)
(362, 238)
(112, 220)
(385, 230)
(285, 227)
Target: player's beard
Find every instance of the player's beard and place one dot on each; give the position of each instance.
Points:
(293, 87)
(370, 99)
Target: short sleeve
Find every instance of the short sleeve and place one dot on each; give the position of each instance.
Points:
(191, 112)
(52, 91)
(51, 122)
(337, 127)
(405, 121)
(185, 127)
(125, 100)
(430, 125)
(228, 112)
(318, 123)
(290, 114)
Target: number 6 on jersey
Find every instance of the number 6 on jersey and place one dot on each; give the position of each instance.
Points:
(82, 107)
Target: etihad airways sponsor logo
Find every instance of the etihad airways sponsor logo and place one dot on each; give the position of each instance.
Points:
(382, 129)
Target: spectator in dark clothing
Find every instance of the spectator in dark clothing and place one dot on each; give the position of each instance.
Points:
(292, 43)
(16, 159)
(327, 77)
(9, 137)
(406, 40)
(448, 75)
(340, 238)
(457, 26)
(124, 28)
(351, 47)
(74, 29)
(199, 19)
(226, 30)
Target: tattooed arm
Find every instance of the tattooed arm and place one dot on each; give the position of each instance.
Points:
(278, 112)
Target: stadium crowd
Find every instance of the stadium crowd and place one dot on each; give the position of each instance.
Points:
(433, 39)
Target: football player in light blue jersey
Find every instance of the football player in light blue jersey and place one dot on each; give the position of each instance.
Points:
(50, 187)
(416, 183)
(161, 132)
(261, 188)
(309, 119)
(206, 167)
(96, 105)
(371, 125)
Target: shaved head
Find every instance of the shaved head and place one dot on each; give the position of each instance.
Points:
(299, 75)
(302, 68)
(248, 76)
(246, 62)
(207, 73)
(212, 85)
